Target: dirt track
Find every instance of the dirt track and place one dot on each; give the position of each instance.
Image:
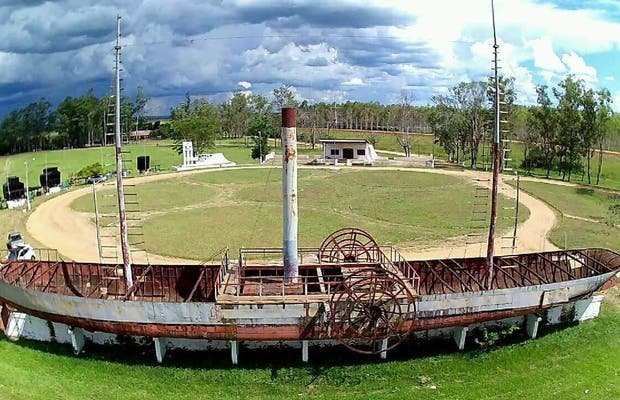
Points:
(55, 225)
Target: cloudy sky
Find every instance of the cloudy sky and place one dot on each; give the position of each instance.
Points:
(332, 50)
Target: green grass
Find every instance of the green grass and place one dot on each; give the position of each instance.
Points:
(196, 215)
(71, 161)
(585, 203)
(577, 362)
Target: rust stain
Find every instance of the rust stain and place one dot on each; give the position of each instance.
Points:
(289, 154)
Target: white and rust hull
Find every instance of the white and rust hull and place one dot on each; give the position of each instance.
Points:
(275, 322)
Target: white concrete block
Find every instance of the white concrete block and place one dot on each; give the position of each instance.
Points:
(460, 334)
(384, 346)
(77, 339)
(588, 308)
(304, 351)
(234, 351)
(554, 315)
(161, 346)
(15, 326)
(531, 325)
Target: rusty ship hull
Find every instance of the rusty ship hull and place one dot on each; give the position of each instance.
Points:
(208, 302)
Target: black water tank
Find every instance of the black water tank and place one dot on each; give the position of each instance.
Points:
(144, 163)
(13, 189)
(50, 177)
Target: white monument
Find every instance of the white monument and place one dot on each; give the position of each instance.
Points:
(215, 160)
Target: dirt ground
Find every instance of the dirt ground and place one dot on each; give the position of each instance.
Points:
(55, 225)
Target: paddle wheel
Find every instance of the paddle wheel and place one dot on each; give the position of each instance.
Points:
(349, 245)
(372, 307)
(372, 312)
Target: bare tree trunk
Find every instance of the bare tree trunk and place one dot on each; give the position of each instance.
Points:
(590, 154)
(600, 163)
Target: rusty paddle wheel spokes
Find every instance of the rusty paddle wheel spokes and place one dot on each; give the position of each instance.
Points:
(371, 305)
(349, 245)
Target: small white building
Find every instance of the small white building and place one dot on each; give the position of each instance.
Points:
(348, 151)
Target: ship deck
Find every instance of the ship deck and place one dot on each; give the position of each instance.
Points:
(252, 281)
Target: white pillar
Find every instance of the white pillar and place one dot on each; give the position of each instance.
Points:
(161, 346)
(15, 326)
(384, 346)
(460, 334)
(531, 325)
(234, 351)
(304, 351)
(290, 209)
(588, 308)
(77, 339)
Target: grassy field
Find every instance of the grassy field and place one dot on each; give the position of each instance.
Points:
(575, 362)
(202, 213)
(71, 161)
(587, 220)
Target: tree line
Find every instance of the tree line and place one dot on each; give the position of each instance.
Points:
(76, 122)
(563, 132)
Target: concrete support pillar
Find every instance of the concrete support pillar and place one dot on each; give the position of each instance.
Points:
(234, 351)
(77, 339)
(531, 325)
(460, 334)
(588, 308)
(4, 317)
(161, 346)
(554, 315)
(15, 325)
(384, 346)
(304, 351)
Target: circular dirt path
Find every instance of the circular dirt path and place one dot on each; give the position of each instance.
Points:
(55, 225)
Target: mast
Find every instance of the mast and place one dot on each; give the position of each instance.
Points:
(120, 190)
(496, 161)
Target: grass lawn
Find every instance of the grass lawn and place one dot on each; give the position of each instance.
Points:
(576, 362)
(71, 161)
(196, 215)
(584, 203)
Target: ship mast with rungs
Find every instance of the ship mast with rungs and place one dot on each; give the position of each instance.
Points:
(496, 161)
(120, 190)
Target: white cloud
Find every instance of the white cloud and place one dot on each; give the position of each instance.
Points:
(353, 82)
(577, 66)
(429, 45)
(244, 84)
(545, 57)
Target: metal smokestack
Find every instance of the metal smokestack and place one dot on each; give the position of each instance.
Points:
(289, 193)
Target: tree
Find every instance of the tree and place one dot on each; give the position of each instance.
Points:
(201, 126)
(569, 94)
(284, 97)
(261, 129)
(404, 116)
(543, 124)
(460, 118)
(603, 131)
(236, 115)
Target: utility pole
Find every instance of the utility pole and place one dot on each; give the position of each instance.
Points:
(119, 159)
(496, 162)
